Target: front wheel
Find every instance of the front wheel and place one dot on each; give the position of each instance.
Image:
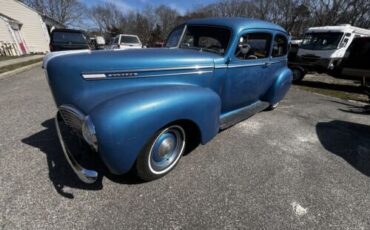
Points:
(162, 153)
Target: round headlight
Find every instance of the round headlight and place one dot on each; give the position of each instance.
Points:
(88, 133)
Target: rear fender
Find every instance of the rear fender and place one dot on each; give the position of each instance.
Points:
(280, 87)
(125, 123)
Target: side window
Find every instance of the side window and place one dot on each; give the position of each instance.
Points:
(280, 46)
(253, 46)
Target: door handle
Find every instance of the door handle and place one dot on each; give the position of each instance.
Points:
(267, 64)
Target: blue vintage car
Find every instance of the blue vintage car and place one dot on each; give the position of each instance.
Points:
(140, 108)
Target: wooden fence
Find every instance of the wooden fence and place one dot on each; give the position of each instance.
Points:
(8, 49)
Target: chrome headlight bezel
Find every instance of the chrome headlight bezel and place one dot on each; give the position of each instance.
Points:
(89, 133)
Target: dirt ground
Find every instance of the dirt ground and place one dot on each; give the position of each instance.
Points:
(330, 86)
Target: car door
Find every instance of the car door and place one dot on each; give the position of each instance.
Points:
(247, 70)
(278, 55)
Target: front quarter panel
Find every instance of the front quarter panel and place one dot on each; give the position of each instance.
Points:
(125, 123)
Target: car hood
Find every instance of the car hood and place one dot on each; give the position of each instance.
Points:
(115, 60)
(87, 78)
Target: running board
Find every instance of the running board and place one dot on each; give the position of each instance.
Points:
(238, 115)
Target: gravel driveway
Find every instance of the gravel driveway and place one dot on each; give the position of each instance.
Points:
(303, 166)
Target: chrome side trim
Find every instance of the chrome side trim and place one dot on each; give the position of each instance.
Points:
(104, 76)
(196, 67)
(275, 62)
(86, 175)
(175, 74)
(247, 65)
(220, 66)
(93, 76)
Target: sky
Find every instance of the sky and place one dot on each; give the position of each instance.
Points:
(182, 6)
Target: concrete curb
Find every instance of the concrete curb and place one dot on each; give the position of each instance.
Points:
(19, 70)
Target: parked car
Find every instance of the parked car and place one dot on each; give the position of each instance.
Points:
(297, 70)
(323, 49)
(68, 39)
(142, 108)
(355, 64)
(98, 42)
(293, 49)
(126, 41)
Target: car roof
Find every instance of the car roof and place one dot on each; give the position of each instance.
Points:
(237, 23)
(67, 30)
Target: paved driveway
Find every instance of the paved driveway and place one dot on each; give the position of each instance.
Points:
(304, 165)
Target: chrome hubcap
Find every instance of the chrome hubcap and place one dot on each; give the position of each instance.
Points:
(166, 149)
(166, 146)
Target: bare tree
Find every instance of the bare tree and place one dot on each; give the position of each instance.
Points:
(154, 23)
(68, 12)
(108, 18)
(166, 19)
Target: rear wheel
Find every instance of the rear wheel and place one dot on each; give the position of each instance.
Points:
(162, 153)
(298, 74)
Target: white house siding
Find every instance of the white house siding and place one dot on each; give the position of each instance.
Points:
(5, 35)
(32, 29)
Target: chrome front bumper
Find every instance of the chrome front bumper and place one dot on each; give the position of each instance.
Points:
(86, 175)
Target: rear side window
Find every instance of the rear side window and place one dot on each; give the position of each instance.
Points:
(68, 37)
(280, 46)
(254, 46)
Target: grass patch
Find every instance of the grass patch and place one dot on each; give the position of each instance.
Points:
(362, 97)
(18, 65)
(4, 58)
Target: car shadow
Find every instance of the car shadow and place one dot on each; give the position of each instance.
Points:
(324, 85)
(347, 140)
(60, 173)
(356, 109)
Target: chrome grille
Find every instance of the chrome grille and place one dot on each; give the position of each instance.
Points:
(72, 118)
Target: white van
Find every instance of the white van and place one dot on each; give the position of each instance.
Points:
(323, 48)
(126, 41)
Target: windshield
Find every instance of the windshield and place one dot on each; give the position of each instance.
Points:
(129, 39)
(321, 41)
(68, 37)
(203, 38)
(174, 37)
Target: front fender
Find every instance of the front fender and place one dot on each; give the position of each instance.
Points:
(280, 87)
(125, 123)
